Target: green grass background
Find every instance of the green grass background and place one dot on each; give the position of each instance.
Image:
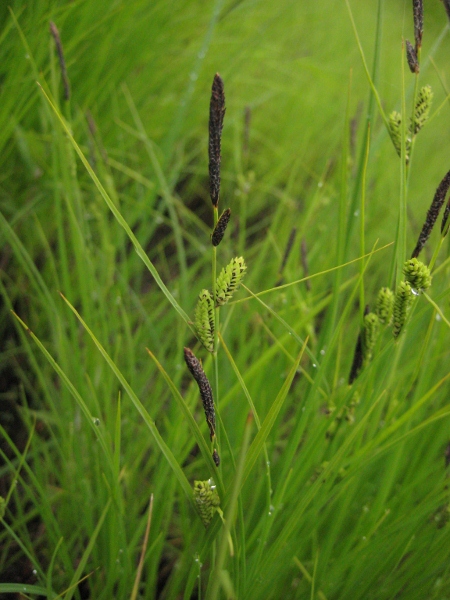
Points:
(84, 441)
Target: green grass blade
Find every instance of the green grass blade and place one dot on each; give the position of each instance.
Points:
(140, 408)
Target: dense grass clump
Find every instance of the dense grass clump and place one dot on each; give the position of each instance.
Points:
(224, 370)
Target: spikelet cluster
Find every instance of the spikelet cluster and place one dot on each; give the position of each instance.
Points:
(403, 300)
(421, 114)
(206, 499)
(417, 274)
(229, 280)
(204, 319)
(384, 306)
(371, 329)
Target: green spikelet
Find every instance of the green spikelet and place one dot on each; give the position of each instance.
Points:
(371, 329)
(204, 319)
(384, 306)
(207, 500)
(395, 128)
(417, 274)
(403, 300)
(229, 279)
(422, 109)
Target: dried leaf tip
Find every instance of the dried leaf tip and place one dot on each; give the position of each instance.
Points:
(197, 372)
(219, 229)
(62, 63)
(216, 114)
(432, 214)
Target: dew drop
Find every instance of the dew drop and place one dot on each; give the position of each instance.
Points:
(322, 352)
(34, 572)
(314, 365)
(438, 317)
(414, 292)
(96, 421)
(356, 213)
(320, 184)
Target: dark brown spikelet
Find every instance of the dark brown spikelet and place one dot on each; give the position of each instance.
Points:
(432, 214)
(197, 372)
(418, 23)
(358, 359)
(62, 63)
(411, 57)
(446, 4)
(219, 229)
(216, 114)
(444, 225)
(216, 457)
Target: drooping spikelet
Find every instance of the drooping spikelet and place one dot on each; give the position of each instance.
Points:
(411, 57)
(216, 114)
(204, 319)
(229, 279)
(371, 329)
(403, 300)
(422, 108)
(196, 369)
(432, 214)
(417, 274)
(384, 306)
(219, 229)
(206, 499)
